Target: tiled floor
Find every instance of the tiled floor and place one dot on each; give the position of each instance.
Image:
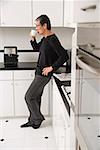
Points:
(16, 138)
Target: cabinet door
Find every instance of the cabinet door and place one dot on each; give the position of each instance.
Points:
(53, 8)
(20, 88)
(66, 12)
(84, 11)
(90, 101)
(16, 13)
(6, 99)
(59, 125)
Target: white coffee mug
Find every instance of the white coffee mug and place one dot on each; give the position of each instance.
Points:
(33, 32)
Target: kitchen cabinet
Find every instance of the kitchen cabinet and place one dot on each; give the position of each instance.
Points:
(53, 8)
(66, 12)
(20, 88)
(6, 98)
(90, 83)
(13, 86)
(61, 126)
(6, 94)
(79, 11)
(16, 13)
(23, 13)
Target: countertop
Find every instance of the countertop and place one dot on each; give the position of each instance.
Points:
(20, 66)
(26, 66)
(59, 84)
(63, 76)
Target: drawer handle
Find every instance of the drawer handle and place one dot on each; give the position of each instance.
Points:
(89, 7)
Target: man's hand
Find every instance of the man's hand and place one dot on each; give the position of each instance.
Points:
(46, 70)
(32, 37)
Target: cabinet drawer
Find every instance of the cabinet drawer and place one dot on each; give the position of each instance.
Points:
(6, 75)
(85, 11)
(24, 74)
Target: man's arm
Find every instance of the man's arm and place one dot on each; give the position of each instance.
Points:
(35, 45)
(61, 53)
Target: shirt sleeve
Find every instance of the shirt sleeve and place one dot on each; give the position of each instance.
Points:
(36, 45)
(61, 53)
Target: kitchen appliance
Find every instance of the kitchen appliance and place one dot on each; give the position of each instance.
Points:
(87, 97)
(10, 56)
(68, 63)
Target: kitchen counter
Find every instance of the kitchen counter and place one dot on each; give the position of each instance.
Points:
(59, 84)
(26, 66)
(20, 66)
(63, 76)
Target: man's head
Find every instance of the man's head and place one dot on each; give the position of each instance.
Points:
(43, 24)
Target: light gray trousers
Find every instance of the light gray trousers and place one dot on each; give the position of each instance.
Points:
(33, 98)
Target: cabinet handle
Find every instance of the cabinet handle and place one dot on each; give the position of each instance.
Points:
(89, 7)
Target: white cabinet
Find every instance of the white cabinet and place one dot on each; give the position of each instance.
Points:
(79, 11)
(6, 98)
(6, 94)
(60, 125)
(16, 13)
(66, 12)
(53, 8)
(13, 86)
(20, 88)
(90, 103)
(24, 12)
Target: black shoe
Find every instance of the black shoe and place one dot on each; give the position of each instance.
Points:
(36, 126)
(26, 125)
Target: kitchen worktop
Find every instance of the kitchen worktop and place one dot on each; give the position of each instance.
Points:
(63, 76)
(20, 66)
(26, 66)
(59, 84)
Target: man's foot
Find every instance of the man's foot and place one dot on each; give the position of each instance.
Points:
(36, 126)
(26, 125)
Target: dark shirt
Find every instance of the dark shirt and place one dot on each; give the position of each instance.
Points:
(51, 53)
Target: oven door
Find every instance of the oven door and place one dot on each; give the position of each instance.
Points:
(88, 99)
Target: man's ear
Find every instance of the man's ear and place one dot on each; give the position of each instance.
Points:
(45, 26)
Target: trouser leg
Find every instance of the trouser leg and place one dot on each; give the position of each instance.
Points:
(33, 98)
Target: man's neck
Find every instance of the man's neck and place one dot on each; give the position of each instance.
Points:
(47, 33)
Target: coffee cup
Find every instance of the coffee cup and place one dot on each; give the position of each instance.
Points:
(33, 32)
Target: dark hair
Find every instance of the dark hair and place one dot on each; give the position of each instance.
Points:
(44, 19)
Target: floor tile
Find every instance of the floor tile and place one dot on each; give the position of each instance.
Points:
(16, 138)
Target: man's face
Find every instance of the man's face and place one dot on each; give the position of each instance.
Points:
(39, 28)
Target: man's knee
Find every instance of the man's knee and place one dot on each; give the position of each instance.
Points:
(29, 98)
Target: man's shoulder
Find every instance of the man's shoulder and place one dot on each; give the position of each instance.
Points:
(53, 39)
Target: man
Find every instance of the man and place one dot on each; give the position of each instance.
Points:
(51, 56)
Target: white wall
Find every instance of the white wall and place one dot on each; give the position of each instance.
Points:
(20, 37)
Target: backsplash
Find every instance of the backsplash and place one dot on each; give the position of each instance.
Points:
(23, 56)
(19, 36)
